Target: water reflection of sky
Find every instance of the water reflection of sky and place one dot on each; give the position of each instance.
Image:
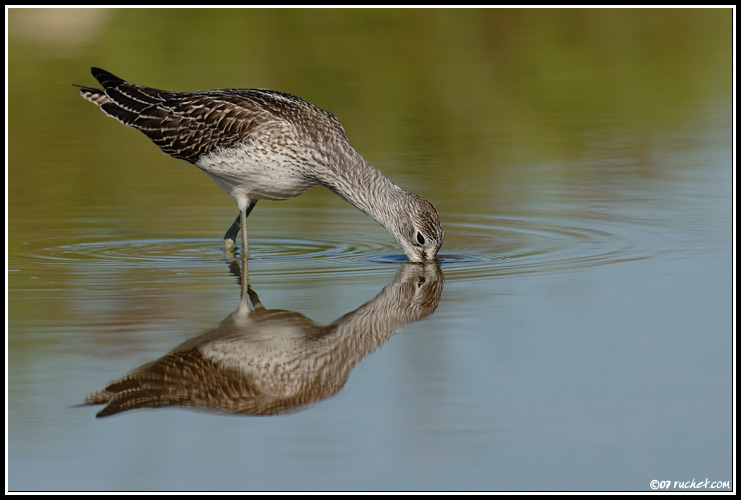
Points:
(583, 171)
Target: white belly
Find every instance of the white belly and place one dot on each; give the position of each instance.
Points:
(254, 175)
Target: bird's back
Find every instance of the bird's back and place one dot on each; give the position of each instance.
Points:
(189, 125)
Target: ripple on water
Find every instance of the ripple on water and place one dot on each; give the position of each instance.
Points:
(280, 257)
(515, 245)
(475, 247)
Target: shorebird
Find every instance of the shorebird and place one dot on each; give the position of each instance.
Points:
(263, 144)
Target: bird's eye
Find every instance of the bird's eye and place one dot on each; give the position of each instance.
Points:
(420, 238)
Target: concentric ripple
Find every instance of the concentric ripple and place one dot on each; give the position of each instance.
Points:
(505, 246)
(476, 246)
(176, 251)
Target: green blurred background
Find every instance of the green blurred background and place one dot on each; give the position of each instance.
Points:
(449, 102)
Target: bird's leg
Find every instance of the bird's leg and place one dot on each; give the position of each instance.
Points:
(248, 299)
(254, 299)
(245, 286)
(245, 249)
(244, 283)
(230, 238)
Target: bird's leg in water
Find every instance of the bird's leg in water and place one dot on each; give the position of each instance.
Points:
(230, 238)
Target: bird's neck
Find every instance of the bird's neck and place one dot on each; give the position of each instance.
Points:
(360, 184)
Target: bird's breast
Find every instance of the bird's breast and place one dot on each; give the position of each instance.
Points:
(259, 173)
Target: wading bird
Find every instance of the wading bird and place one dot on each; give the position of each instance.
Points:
(262, 144)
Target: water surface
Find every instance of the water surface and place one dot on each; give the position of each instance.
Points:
(577, 335)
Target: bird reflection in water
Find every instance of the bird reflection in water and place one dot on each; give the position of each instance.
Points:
(262, 361)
